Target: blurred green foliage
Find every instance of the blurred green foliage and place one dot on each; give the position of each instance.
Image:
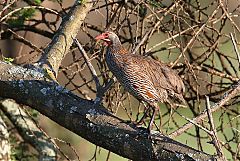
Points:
(20, 17)
(20, 150)
(33, 2)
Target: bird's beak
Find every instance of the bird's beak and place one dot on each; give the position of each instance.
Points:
(100, 37)
(107, 42)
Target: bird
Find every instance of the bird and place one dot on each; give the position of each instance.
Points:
(147, 79)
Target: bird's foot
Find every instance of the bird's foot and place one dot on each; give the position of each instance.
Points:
(135, 123)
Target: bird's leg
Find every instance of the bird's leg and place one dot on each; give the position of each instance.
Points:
(103, 90)
(150, 125)
(140, 122)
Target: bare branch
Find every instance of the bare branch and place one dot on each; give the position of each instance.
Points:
(194, 123)
(100, 89)
(90, 121)
(226, 97)
(62, 41)
(5, 147)
(89, 64)
(28, 130)
(235, 48)
(214, 136)
(22, 8)
(150, 32)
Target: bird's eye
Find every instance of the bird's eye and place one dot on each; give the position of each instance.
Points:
(106, 34)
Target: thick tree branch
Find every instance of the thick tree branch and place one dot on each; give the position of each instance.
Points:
(62, 41)
(28, 130)
(90, 121)
(5, 147)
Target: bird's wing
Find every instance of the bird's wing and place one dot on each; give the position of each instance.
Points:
(135, 69)
(173, 79)
(163, 77)
(150, 75)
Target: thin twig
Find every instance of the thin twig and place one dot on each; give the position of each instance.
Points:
(89, 64)
(226, 97)
(70, 146)
(237, 151)
(145, 37)
(228, 15)
(215, 140)
(193, 122)
(150, 32)
(6, 7)
(171, 38)
(100, 89)
(235, 48)
(27, 7)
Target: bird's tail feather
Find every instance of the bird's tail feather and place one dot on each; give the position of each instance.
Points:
(178, 100)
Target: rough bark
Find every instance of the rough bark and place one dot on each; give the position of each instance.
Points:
(63, 39)
(29, 130)
(5, 147)
(90, 121)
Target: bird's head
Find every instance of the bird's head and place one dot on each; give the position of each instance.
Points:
(109, 38)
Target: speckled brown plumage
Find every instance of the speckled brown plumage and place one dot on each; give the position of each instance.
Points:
(146, 79)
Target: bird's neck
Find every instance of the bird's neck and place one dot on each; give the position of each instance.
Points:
(117, 48)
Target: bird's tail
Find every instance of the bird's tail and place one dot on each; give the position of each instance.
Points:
(180, 101)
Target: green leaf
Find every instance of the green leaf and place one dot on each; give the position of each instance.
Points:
(8, 60)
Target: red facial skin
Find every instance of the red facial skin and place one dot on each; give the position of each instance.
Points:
(104, 37)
